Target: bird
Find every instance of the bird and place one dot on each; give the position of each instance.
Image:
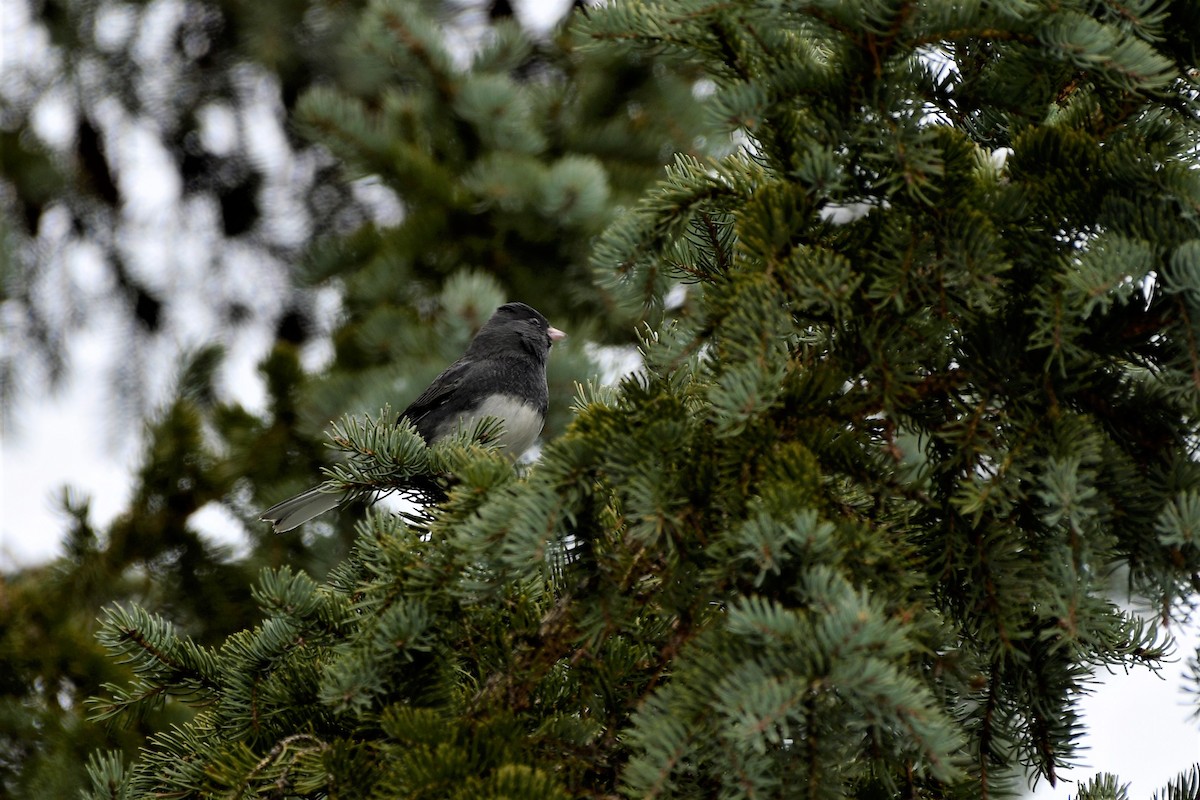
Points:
(501, 374)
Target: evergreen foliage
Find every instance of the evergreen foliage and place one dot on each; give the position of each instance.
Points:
(932, 380)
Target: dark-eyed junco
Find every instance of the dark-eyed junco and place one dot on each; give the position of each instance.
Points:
(502, 374)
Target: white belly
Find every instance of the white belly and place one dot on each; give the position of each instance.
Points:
(522, 423)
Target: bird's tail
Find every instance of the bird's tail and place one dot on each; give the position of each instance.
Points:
(297, 510)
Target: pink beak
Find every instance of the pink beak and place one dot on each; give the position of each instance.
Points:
(555, 334)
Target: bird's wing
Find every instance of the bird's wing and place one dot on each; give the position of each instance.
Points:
(437, 394)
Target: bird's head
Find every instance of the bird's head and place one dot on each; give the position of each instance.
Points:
(516, 324)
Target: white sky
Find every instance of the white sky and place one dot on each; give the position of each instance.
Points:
(1140, 725)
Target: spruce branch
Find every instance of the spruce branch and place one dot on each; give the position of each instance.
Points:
(281, 759)
(381, 454)
(164, 664)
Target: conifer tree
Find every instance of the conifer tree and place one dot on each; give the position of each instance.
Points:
(933, 377)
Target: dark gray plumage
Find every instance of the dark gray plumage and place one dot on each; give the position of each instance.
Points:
(502, 374)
